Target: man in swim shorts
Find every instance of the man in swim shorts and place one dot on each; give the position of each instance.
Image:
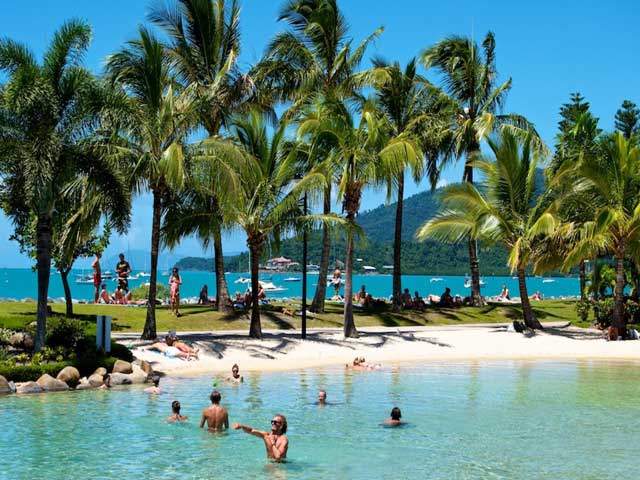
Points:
(215, 416)
(123, 269)
(175, 413)
(275, 441)
(97, 277)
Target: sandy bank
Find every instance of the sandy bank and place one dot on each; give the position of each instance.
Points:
(286, 351)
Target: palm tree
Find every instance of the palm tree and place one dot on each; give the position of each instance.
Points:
(612, 177)
(409, 104)
(204, 38)
(504, 209)
(314, 59)
(469, 77)
(267, 204)
(48, 111)
(365, 156)
(154, 127)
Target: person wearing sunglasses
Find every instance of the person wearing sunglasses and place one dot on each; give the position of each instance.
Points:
(276, 441)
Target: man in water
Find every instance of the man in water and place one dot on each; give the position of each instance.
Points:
(215, 416)
(97, 277)
(394, 418)
(276, 441)
(322, 398)
(175, 415)
(235, 375)
(123, 269)
(155, 390)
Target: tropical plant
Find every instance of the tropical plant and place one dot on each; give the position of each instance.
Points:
(153, 128)
(49, 113)
(314, 59)
(612, 178)
(267, 203)
(469, 78)
(627, 119)
(204, 44)
(504, 209)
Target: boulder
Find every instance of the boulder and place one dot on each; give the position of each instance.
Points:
(96, 380)
(69, 375)
(21, 340)
(50, 384)
(145, 366)
(120, 379)
(29, 387)
(122, 367)
(100, 371)
(5, 387)
(138, 375)
(84, 384)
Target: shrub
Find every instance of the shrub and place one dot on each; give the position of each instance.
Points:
(5, 335)
(29, 372)
(582, 308)
(603, 311)
(66, 333)
(142, 292)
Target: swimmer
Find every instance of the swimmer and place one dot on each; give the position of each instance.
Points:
(155, 390)
(215, 416)
(394, 418)
(322, 398)
(235, 376)
(275, 442)
(175, 415)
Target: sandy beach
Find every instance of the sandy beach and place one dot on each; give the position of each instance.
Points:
(327, 347)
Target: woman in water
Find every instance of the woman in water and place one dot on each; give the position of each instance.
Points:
(174, 291)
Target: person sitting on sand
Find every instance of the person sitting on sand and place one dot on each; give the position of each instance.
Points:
(276, 441)
(104, 295)
(446, 300)
(405, 298)
(504, 295)
(175, 413)
(536, 296)
(262, 294)
(235, 376)
(418, 302)
(155, 390)
(361, 295)
(215, 416)
(356, 365)
(322, 398)
(118, 296)
(394, 418)
(203, 298)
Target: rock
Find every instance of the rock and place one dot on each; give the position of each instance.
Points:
(12, 386)
(145, 366)
(5, 387)
(96, 380)
(21, 340)
(100, 371)
(120, 379)
(84, 384)
(138, 375)
(29, 387)
(69, 375)
(122, 367)
(50, 384)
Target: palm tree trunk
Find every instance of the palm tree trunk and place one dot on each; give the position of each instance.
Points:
(222, 291)
(317, 305)
(149, 332)
(583, 281)
(474, 265)
(305, 241)
(619, 321)
(64, 276)
(397, 245)
(255, 329)
(43, 265)
(349, 324)
(530, 319)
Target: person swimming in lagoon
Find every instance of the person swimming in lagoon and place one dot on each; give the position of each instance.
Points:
(394, 418)
(235, 376)
(322, 398)
(175, 416)
(216, 417)
(155, 390)
(359, 363)
(275, 441)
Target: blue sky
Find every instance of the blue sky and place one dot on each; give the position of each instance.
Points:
(549, 48)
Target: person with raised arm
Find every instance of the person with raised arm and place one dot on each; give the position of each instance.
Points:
(275, 441)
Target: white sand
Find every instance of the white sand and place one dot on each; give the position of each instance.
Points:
(286, 351)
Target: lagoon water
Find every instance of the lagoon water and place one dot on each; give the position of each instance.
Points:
(505, 420)
(21, 283)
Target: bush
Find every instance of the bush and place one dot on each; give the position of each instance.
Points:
(582, 308)
(66, 333)
(603, 311)
(30, 372)
(142, 292)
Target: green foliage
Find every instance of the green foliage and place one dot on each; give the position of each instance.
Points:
(66, 333)
(29, 372)
(603, 311)
(142, 292)
(628, 119)
(582, 309)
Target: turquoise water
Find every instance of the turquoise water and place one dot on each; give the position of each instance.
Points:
(21, 283)
(507, 420)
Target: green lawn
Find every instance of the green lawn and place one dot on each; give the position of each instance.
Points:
(195, 318)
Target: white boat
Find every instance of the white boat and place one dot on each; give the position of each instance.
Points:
(243, 280)
(292, 279)
(144, 274)
(467, 283)
(436, 279)
(270, 287)
(548, 280)
(84, 280)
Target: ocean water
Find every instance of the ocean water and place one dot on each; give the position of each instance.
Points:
(506, 420)
(22, 283)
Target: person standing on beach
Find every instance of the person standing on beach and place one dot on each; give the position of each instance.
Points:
(175, 413)
(174, 291)
(336, 281)
(215, 416)
(123, 269)
(97, 277)
(276, 441)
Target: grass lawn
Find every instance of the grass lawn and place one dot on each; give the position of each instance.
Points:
(15, 315)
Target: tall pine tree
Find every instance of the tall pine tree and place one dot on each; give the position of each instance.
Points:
(628, 119)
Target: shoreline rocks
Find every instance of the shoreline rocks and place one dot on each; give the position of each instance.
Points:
(69, 375)
(5, 386)
(50, 384)
(28, 387)
(122, 367)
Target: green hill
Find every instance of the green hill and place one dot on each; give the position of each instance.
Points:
(377, 248)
